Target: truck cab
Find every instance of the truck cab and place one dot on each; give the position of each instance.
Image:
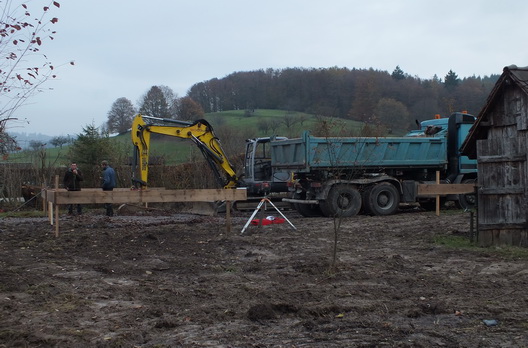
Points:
(455, 128)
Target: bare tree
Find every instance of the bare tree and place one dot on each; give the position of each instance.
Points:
(264, 125)
(120, 115)
(274, 125)
(59, 141)
(190, 110)
(154, 103)
(172, 100)
(289, 121)
(23, 68)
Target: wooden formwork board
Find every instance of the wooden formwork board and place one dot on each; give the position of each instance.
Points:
(436, 190)
(94, 196)
(445, 189)
(57, 197)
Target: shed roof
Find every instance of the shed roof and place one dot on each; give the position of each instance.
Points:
(510, 75)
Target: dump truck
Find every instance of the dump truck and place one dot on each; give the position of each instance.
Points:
(341, 176)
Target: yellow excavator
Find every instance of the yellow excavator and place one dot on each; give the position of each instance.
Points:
(200, 132)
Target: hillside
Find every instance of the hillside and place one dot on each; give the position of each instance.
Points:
(235, 126)
(365, 95)
(232, 128)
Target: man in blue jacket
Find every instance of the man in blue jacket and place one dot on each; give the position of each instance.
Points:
(108, 184)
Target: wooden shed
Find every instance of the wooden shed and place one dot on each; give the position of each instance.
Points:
(498, 140)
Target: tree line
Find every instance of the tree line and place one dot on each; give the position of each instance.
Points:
(358, 94)
(394, 99)
(159, 101)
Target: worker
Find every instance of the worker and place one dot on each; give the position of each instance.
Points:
(72, 182)
(108, 184)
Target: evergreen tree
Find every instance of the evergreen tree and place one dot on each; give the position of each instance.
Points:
(88, 150)
(451, 80)
(398, 74)
(90, 147)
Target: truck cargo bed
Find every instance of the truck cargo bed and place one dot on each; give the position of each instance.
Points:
(308, 152)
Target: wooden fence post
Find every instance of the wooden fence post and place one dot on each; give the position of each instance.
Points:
(56, 207)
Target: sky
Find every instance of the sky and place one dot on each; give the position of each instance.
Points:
(121, 48)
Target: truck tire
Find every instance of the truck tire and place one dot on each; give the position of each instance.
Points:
(381, 199)
(342, 201)
(467, 201)
(307, 210)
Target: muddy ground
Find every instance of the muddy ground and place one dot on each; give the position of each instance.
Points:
(179, 280)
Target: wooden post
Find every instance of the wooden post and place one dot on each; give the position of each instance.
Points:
(228, 217)
(471, 228)
(56, 207)
(50, 213)
(43, 197)
(438, 196)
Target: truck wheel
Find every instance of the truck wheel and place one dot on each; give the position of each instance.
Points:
(307, 210)
(342, 201)
(381, 199)
(469, 200)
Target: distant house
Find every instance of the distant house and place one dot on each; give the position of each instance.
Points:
(499, 142)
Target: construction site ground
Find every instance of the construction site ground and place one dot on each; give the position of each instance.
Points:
(166, 279)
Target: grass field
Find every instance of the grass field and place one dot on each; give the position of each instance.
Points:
(232, 128)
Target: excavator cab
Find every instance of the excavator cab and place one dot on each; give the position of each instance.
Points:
(258, 173)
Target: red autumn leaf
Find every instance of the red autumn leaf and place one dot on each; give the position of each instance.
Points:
(46, 8)
(56, 4)
(54, 20)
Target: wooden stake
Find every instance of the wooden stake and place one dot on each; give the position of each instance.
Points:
(56, 207)
(43, 197)
(50, 213)
(228, 217)
(437, 196)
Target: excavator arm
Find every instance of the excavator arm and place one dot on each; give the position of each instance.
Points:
(199, 132)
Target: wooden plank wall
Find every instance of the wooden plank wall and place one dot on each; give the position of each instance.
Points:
(503, 173)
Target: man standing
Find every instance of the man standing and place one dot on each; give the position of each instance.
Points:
(72, 182)
(108, 184)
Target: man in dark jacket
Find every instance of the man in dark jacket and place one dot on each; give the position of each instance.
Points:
(72, 182)
(108, 184)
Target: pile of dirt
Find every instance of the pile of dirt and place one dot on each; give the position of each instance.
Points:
(168, 280)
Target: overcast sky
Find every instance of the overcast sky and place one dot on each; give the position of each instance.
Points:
(123, 47)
